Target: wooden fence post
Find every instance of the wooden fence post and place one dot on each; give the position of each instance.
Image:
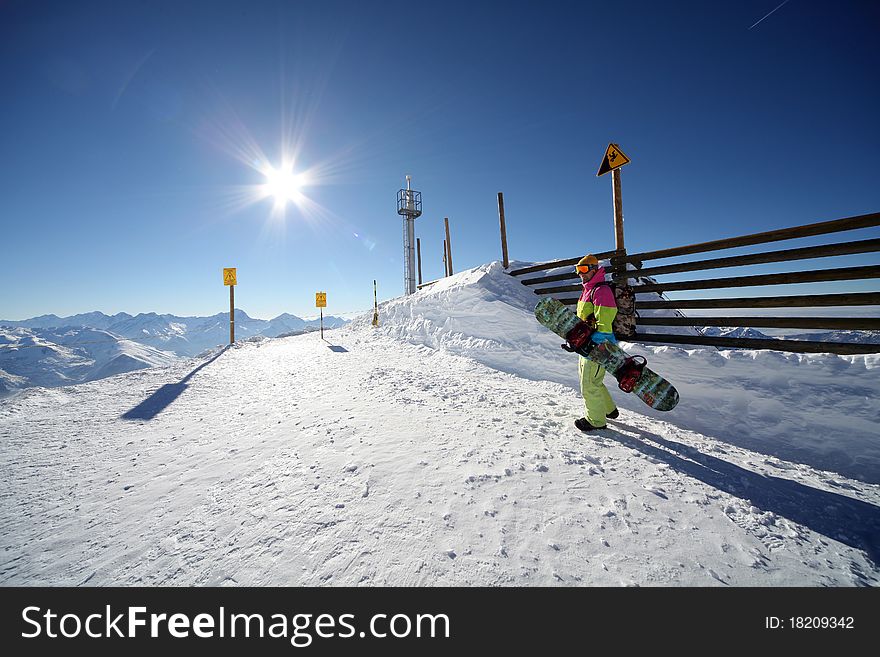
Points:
(448, 247)
(504, 261)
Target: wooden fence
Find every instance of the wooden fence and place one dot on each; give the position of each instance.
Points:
(646, 280)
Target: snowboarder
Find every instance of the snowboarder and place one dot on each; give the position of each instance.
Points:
(599, 303)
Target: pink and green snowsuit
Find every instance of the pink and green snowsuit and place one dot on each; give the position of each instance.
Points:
(602, 305)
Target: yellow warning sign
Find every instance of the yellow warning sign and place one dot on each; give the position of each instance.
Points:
(229, 276)
(614, 158)
(320, 299)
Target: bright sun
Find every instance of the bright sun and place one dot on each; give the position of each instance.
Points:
(283, 184)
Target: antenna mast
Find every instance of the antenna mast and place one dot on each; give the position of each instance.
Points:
(409, 206)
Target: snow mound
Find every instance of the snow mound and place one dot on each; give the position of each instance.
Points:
(481, 313)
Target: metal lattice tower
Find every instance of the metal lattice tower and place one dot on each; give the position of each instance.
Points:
(409, 206)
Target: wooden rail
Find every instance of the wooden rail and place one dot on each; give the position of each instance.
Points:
(568, 262)
(844, 248)
(645, 275)
(843, 274)
(565, 277)
(844, 323)
(796, 346)
(822, 228)
(799, 301)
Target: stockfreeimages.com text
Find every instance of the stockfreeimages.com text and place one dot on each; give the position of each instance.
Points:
(300, 629)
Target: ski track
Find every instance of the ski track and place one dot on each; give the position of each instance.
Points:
(284, 462)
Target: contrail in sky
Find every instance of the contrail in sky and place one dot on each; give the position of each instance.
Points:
(131, 75)
(770, 13)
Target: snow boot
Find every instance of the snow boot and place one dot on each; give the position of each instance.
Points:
(613, 415)
(584, 425)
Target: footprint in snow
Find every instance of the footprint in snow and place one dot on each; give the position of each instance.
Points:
(659, 492)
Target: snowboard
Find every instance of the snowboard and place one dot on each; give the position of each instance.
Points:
(650, 387)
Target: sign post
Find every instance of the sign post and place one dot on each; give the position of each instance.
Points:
(321, 302)
(376, 304)
(618, 210)
(613, 160)
(229, 278)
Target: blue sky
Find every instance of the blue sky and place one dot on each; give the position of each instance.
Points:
(134, 134)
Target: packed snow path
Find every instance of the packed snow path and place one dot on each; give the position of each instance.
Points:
(367, 460)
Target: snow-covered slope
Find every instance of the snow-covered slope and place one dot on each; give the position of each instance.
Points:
(69, 355)
(438, 449)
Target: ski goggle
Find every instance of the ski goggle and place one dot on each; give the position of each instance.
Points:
(583, 269)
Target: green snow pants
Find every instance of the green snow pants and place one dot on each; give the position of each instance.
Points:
(597, 399)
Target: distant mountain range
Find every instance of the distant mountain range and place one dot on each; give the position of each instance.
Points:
(55, 351)
(185, 336)
(840, 336)
(735, 332)
(57, 357)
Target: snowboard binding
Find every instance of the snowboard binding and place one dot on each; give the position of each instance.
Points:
(630, 372)
(579, 336)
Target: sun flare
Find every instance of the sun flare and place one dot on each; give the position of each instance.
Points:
(283, 184)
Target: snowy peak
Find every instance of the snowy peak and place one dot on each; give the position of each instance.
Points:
(330, 322)
(734, 332)
(286, 323)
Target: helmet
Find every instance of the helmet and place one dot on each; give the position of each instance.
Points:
(589, 259)
(587, 263)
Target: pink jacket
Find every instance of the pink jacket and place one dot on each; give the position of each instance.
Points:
(603, 305)
(604, 295)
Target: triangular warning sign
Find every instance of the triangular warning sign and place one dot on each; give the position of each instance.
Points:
(614, 158)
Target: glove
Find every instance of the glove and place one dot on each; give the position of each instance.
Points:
(567, 347)
(598, 337)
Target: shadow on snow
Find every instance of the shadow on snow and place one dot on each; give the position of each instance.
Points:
(165, 396)
(838, 517)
